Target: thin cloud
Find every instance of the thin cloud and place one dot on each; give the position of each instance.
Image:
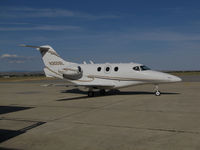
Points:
(45, 28)
(174, 9)
(151, 35)
(13, 58)
(28, 12)
(5, 56)
(163, 36)
(13, 23)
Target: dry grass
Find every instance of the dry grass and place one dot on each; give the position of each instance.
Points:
(186, 73)
(32, 78)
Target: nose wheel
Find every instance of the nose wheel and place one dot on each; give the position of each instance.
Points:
(157, 92)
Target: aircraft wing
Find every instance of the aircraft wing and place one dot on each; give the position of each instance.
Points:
(98, 86)
(122, 79)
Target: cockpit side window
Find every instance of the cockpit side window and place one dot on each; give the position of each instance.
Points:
(79, 69)
(136, 68)
(143, 68)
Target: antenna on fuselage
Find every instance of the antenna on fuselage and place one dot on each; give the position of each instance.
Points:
(91, 62)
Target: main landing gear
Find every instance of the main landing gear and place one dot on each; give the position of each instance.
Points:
(92, 94)
(102, 92)
(157, 92)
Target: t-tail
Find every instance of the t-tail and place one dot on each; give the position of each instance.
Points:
(55, 66)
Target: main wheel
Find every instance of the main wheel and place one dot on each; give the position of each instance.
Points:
(90, 93)
(157, 93)
(102, 92)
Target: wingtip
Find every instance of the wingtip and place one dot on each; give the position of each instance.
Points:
(22, 45)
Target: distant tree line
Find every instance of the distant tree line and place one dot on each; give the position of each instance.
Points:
(21, 74)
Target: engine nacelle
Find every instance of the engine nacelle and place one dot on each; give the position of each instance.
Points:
(72, 73)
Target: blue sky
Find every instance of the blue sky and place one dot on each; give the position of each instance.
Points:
(164, 35)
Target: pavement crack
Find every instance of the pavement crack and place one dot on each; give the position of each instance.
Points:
(140, 128)
(18, 119)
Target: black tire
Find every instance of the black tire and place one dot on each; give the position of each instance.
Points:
(102, 92)
(90, 94)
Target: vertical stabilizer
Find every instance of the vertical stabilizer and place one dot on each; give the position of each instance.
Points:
(52, 61)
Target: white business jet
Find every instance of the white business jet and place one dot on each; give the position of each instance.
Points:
(101, 76)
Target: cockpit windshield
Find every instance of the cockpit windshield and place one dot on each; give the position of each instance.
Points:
(142, 68)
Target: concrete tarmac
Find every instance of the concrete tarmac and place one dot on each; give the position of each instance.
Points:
(56, 117)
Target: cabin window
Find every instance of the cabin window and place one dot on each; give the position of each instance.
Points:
(136, 68)
(107, 69)
(99, 69)
(116, 68)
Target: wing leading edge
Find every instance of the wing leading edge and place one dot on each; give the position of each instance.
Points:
(96, 86)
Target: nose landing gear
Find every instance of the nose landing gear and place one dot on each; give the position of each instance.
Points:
(157, 92)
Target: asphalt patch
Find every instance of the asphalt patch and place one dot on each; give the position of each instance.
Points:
(3, 148)
(29, 92)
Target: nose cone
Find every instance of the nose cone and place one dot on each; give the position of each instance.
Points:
(160, 77)
(173, 78)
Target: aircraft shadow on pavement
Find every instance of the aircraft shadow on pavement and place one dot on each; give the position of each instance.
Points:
(109, 93)
(76, 91)
(9, 109)
(6, 134)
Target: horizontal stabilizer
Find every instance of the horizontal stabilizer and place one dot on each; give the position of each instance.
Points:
(38, 47)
